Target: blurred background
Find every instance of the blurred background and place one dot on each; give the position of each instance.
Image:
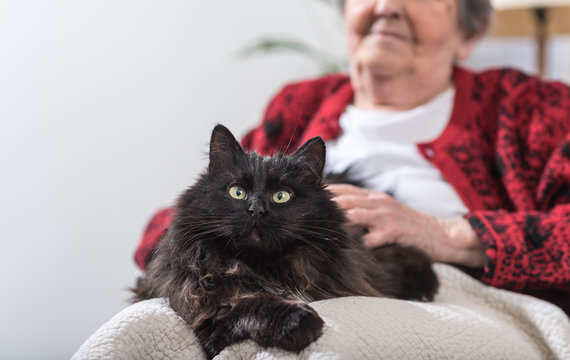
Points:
(106, 108)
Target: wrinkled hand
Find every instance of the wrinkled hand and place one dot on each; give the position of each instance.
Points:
(389, 221)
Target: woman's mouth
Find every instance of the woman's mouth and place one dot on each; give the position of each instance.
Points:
(388, 35)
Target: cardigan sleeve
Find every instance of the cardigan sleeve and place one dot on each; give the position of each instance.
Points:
(263, 136)
(153, 233)
(528, 244)
(307, 107)
(525, 250)
(284, 119)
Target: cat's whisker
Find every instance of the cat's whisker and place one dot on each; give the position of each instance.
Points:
(309, 243)
(230, 239)
(322, 230)
(293, 133)
(195, 236)
(324, 233)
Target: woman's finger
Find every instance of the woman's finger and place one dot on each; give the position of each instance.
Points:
(367, 202)
(365, 217)
(347, 189)
(375, 239)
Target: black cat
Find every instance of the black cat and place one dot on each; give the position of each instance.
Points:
(256, 238)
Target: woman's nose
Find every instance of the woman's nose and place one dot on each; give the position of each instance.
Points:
(390, 9)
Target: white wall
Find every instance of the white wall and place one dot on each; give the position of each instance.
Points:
(105, 111)
(521, 53)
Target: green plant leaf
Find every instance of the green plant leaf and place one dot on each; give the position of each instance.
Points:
(326, 62)
(269, 45)
(272, 45)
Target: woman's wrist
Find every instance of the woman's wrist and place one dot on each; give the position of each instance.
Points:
(461, 244)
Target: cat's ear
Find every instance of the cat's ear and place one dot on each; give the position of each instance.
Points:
(313, 154)
(224, 148)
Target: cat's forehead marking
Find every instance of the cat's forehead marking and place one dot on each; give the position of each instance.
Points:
(268, 169)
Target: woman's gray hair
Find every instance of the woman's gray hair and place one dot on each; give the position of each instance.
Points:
(474, 16)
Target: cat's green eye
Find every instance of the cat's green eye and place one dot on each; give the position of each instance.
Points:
(237, 192)
(282, 196)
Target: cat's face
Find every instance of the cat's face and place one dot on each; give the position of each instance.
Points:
(264, 205)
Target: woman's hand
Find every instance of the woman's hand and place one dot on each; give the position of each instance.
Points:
(389, 221)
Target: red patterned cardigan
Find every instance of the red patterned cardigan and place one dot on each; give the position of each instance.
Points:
(506, 151)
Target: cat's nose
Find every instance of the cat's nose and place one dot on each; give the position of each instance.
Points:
(256, 212)
(256, 208)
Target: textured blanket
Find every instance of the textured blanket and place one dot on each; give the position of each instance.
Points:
(468, 320)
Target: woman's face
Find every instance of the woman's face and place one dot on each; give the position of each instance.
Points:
(389, 36)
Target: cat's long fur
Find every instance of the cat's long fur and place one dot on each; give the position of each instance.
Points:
(244, 269)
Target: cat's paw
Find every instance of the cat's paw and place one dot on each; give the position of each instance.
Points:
(409, 268)
(420, 285)
(293, 328)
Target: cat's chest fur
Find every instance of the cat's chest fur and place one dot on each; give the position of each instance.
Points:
(292, 276)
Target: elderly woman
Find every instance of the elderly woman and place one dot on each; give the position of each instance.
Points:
(474, 168)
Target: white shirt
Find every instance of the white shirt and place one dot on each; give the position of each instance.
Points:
(379, 150)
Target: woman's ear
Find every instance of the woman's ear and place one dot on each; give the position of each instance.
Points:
(466, 48)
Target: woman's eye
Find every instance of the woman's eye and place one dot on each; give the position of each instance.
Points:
(282, 196)
(237, 192)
